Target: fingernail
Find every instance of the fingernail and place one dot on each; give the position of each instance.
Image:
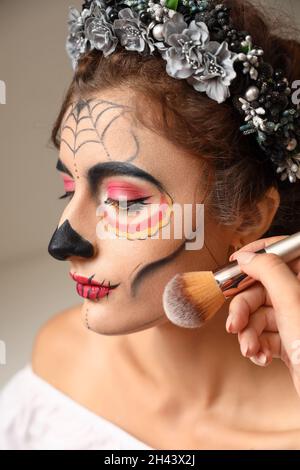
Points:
(261, 358)
(229, 324)
(244, 349)
(244, 257)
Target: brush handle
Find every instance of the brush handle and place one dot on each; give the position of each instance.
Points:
(232, 280)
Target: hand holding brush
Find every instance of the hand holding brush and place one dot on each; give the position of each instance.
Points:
(265, 309)
(190, 299)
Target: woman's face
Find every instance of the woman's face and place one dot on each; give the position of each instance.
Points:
(123, 182)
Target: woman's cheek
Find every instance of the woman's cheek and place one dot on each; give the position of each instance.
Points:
(140, 226)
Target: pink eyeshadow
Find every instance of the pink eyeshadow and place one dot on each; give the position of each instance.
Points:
(119, 189)
(69, 184)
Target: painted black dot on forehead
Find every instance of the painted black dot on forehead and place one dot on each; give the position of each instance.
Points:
(89, 112)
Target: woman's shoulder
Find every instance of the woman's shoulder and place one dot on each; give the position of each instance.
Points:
(36, 409)
(69, 356)
(61, 326)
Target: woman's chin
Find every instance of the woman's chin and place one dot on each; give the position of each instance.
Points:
(106, 320)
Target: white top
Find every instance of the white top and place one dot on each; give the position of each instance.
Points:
(34, 415)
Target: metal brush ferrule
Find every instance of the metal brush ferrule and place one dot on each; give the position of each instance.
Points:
(232, 280)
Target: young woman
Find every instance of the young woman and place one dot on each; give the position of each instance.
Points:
(135, 138)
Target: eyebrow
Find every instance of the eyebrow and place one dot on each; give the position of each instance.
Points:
(61, 167)
(98, 172)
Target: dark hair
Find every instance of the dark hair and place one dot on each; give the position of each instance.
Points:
(200, 126)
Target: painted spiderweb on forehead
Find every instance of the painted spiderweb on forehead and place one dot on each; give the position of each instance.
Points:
(100, 122)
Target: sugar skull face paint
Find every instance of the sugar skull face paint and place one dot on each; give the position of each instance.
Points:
(124, 179)
(132, 212)
(68, 181)
(69, 184)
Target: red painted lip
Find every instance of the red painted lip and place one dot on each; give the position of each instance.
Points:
(89, 289)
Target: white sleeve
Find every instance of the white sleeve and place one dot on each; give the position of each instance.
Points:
(36, 416)
(15, 411)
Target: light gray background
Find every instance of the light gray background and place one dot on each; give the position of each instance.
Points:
(37, 71)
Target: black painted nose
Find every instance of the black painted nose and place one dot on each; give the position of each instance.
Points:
(65, 242)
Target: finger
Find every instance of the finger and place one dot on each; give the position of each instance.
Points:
(295, 266)
(263, 243)
(243, 305)
(262, 320)
(270, 348)
(258, 245)
(283, 288)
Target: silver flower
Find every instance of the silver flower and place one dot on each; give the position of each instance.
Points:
(75, 46)
(290, 169)
(253, 114)
(251, 58)
(159, 11)
(75, 21)
(76, 42)
(100, 34)
(187, 43)
(100, 3)
(218, 73)
(131, 32)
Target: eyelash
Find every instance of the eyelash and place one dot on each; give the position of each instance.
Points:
(129, 203)
(114, 202)
(68, 194)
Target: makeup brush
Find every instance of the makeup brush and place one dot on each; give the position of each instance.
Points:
(190, 299)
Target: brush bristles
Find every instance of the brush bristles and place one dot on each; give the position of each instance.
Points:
(190, 299)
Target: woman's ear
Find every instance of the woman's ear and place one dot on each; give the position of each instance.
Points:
(266, 209)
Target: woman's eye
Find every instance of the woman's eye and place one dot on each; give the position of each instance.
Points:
(68, 194)
(135, 205)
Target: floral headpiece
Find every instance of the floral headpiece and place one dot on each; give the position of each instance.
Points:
(198, 41)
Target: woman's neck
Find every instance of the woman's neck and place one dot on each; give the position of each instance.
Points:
(201, 365)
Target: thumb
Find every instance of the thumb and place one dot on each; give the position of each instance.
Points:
(283, 288)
